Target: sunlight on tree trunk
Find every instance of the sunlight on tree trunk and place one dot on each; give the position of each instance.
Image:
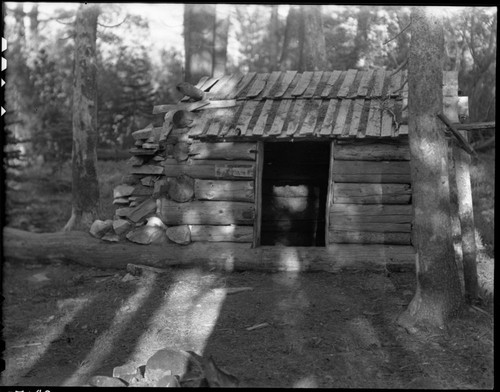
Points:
(314, 49)
(438, 295)
(85, 187)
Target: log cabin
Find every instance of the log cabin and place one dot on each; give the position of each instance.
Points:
(279, 171)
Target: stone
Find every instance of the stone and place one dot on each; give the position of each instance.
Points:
(177, 362)
(121, 226)
(122, 191)
(147, 235)
(179, 234)
(111, 237)
(105, 381)
(168, 382)
(123, 370)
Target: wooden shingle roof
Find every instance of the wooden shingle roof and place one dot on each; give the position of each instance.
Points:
(308, 105)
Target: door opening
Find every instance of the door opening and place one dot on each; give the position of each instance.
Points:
(294, 193)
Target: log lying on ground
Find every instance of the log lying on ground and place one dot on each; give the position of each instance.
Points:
(81, 248)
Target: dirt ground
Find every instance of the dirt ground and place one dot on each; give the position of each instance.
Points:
(65, 323)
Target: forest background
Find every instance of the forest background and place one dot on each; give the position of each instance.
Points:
(144, 50)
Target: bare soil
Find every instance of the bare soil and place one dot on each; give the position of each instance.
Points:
(65, 323)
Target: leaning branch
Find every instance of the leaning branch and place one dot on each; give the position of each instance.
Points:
(461, 140)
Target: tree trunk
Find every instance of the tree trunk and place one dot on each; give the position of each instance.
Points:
(199, 28)
(85, 187)
(314, 49)
(274, 34)
(438, 295)
(221, 27)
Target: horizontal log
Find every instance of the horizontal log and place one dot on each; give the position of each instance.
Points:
(147, 169)
(146, 133)
(371, 193)
(480, 126)
(337, 210)
(228, 151)
(372, 152)
(309, 173)
(363, 237)
(224, 190)
(295, 238)
(206, 213)
(205, 169)
(373, 214)
(371, 172)
(228, 233)
(82, 248)
(189, 106)
(371, 227)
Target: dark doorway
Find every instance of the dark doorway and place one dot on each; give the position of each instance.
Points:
(294, 193)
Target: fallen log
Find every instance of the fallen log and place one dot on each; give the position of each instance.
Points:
(81, 248)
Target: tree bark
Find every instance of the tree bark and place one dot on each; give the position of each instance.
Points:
(85, 186)
(199, 28)
(438, 295)
(314, 49)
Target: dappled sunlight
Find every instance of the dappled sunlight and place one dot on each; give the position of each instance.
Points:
(104, 344)
(184, 306)
(71, 307)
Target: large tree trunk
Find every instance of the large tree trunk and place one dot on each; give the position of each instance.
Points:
(438, 295)
(274, 34)
(314, 50)
(221, 27)
(85, 187)
(199, 29)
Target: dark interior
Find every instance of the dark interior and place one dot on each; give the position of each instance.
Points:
(294, 193)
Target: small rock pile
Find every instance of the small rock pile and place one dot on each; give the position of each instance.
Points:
(166, 368)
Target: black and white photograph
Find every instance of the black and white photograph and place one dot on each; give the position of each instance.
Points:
(248, 195)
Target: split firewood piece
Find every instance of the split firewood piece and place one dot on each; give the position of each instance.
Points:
(122, 191)
(181, 189)
(148, 206)
(183, 119)
(191, 91)
(179, 234)
(146, 235)
(160, 188)
(99, 228)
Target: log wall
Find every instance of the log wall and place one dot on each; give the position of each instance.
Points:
(370, 201)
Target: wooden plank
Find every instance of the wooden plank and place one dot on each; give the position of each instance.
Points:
(271, 82)
(229, 233)
(374, 116)
(206, 213)
(247, 79)
(285, 83)
(371, 193)
(387, 119)
(364, 237)
(329, 195)
(245, 117)
(328, 124)
(311, 89)
(258, 85)
(378, 84)
(136, 214)
(224, 190)
(403, 129)
(208, 83)
(377, 227)
(295, 117)
(347, 83)
(220, 85)
(281, 116)
(260, 125)
(342, 116)
(210, 169)
(146, 133)
(311, 117)
(372, 171)
(373, 152)
(395, 86)
(364, 83)
(229, 90)
(189, 106)
(141, 151)
(302, 84)
(330, 83)
(377, 210)
(356, 116)
(201, 82)
(226, 150)
(258, 194)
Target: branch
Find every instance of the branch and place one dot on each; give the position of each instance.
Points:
(398, 34)
(462, 142)
(116, 25)
(400, 67)
(485, 144)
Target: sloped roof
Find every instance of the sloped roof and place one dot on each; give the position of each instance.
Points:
(289, 105)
